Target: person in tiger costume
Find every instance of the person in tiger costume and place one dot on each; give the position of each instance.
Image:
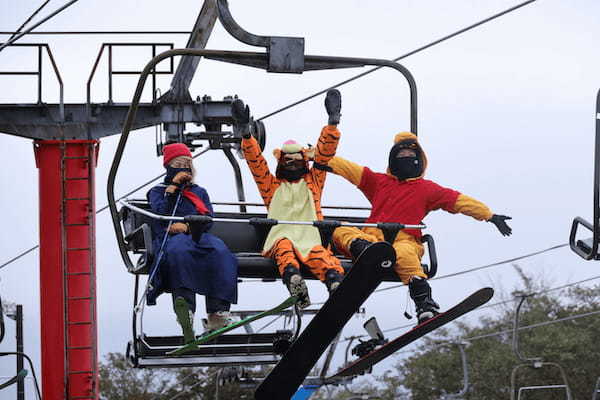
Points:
(294, 194)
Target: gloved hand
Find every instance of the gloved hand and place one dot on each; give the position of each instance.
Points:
(499, 221)
(178, 227)
(241, 116)
(182, 178)
(333, 105)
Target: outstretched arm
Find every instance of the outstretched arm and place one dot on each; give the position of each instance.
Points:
(476, 209)
(346, 169)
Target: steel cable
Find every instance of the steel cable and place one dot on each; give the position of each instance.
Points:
(438, 41)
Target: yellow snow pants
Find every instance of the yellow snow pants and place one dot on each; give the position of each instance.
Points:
(408, 249)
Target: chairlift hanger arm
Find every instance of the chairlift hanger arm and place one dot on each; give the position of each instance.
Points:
(584, 249)
(321, 61)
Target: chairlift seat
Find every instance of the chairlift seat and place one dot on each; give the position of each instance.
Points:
(244, 240)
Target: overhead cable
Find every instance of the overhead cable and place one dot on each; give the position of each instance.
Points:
(495, 264)
(438, 41)
(494, 304)
(52, 14)
(101, 33)
(29, 19)
(132, 191)
(510, 331)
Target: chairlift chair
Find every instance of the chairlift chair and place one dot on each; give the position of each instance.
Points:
(465, 367)
(596, 390)
(131, 221)
(532, 362)
(588, 248)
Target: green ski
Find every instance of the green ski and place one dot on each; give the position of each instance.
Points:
(290, 301)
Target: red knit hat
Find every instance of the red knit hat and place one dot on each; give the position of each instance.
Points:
(173, 150)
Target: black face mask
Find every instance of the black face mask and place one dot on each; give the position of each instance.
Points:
(289, 175)
(405, 167)
(171, 172)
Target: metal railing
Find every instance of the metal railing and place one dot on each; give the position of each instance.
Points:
(112, 71)
(39, 72)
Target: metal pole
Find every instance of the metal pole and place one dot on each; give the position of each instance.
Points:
(20, 351)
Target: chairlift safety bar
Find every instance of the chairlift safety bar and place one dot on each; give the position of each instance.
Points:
(265, 221)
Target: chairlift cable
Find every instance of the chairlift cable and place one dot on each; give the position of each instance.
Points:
(101, 33)
(51, 15)
(494, 304)
(485, 266)
(99, 211)
(28, 19)
(510, 331)
(438, 41)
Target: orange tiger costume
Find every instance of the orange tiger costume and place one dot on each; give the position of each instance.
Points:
(298, 201)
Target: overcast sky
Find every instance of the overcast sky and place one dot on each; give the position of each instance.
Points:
(506, 115)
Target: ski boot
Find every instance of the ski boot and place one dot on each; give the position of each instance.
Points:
(420, 292)
(218, 320)
(296, 285)
(333, 279)
(357, 246)
(185, 318)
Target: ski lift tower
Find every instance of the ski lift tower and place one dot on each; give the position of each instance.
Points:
(66, 140)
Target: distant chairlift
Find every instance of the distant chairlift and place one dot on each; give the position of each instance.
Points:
(588, 248)
(462, 346)
(532, 362)
(596, 390)
(131, 222)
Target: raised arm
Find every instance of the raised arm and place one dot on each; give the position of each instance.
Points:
(329, 137)
(260, 169)
(256, 161)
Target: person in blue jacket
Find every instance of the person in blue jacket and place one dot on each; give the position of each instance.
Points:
(188, 267)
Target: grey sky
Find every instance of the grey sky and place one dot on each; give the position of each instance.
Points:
(506, 115)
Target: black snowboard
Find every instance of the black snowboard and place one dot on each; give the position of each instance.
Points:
(362, 279)
(475, 300)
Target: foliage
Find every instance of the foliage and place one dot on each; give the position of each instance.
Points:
(118, 381)
(434, 369)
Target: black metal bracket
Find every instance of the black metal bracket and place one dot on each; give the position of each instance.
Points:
(431, 269)
(197, 224)
(588, 249)
(286, 54)
(390, 230)
(326, 228)
(364, 348)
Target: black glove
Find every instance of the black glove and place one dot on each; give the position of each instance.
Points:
(499, 221)
(241, 116)
(333, 105)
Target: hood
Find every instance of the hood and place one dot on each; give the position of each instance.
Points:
(404, 136)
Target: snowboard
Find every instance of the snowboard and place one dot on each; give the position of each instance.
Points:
(475, 300)
(290, 301)
(362, 279)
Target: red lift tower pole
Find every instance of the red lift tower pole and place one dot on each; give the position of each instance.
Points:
(68, 268)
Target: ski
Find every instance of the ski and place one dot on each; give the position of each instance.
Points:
(290, 301)
(357, 367)
(362, 279)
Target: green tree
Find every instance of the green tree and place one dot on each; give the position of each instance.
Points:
(434, 368)
(119, 381)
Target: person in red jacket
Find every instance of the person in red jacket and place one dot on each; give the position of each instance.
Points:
(402, 195)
